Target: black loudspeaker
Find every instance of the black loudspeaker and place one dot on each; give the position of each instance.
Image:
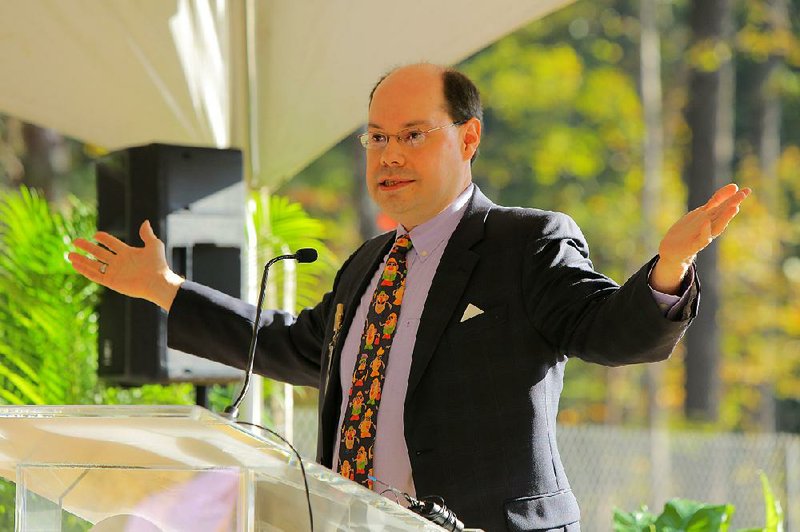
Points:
(194, 199)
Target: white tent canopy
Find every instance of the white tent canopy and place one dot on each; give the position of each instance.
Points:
(288, 77)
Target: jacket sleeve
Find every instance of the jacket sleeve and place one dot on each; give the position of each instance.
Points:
(213, 325)
(584, 313)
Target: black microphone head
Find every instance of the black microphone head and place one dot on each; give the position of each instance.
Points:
(306, 255)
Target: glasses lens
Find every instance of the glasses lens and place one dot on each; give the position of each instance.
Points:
(412, 137)
(373, 140)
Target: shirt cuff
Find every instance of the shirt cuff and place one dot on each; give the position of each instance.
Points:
(672, 305)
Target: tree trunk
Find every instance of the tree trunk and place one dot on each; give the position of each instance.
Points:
(653, 162)
(709, 115)
(367, 212)
(766, 100)
(46, 157)
(766, 139)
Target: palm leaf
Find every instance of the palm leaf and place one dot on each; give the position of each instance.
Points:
(27, 391)
(283, 226)
(44, 316)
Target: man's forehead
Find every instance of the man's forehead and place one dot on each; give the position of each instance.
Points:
(405, 116)
(408, 97)
(404, 125)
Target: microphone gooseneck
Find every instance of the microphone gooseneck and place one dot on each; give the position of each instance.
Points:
(304, 255)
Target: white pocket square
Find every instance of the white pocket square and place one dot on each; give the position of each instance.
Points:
(470, 312)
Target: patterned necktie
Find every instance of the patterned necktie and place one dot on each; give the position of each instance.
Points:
(358, 428)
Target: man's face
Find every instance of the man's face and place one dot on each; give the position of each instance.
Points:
(414, 184)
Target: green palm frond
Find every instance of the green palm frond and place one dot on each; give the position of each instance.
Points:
(47, 327)
(22, 378)
(284, 226)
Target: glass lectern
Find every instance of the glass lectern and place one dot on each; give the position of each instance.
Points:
(172, 468)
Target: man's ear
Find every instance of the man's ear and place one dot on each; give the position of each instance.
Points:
(472, 137)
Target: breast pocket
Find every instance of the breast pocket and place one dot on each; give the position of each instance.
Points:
(492, 317)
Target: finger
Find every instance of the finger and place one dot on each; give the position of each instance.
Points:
(111, 242)
(721, 222)
(721, 195)
(728, 211)
(146, 232)
(86, 267)
(93, 249)
(729, 207)
(741, 195)
(720, 225)
(737, 198)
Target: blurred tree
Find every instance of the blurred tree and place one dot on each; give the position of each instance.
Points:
(771, 17)
(761, 344)
(331, 190)
(11, 145)
(710, 120)
(567, 127)
(42, 159)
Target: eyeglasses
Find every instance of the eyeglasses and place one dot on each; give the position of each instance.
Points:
(413, 137)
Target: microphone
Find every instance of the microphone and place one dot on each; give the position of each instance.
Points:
(431, 508)
(303, 255)
(434, 510)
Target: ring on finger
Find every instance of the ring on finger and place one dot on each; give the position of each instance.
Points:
(103, 267)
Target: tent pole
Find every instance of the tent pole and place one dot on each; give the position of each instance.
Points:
(253, 403)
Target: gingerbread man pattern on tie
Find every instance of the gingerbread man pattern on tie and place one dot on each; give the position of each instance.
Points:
(357, 438)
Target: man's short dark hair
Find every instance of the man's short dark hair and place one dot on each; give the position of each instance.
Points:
(461, 96)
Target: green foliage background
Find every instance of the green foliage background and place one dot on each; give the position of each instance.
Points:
(563, 130)
(40, 292)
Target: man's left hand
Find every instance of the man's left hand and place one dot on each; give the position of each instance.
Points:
(693, 232)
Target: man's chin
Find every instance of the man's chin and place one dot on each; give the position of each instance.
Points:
(393, 216)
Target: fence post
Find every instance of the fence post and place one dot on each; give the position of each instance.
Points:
(661, 461)
(792, 506)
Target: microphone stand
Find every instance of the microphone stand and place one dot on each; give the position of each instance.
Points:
(302, 255)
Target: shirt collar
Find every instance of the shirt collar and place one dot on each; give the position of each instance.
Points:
(429, 235)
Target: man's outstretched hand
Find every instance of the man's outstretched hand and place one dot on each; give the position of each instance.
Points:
(693, 232)
(133, 271)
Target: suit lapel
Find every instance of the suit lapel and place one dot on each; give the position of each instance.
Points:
(449, 282)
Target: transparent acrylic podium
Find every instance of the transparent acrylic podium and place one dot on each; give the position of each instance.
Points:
(172, 468)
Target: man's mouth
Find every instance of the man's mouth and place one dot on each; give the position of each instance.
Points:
(393, 182)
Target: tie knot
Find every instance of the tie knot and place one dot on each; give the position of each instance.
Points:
(403, 243)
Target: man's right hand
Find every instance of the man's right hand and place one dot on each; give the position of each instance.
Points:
(136, 272)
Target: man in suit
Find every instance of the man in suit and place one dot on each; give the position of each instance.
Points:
(490, 303)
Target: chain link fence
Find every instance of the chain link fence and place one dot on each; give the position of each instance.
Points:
(613, 467)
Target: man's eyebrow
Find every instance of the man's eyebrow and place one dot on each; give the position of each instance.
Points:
(405, 126)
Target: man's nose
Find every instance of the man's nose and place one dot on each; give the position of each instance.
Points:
(393, 154)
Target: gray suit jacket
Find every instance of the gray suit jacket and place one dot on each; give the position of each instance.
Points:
(480, 411)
